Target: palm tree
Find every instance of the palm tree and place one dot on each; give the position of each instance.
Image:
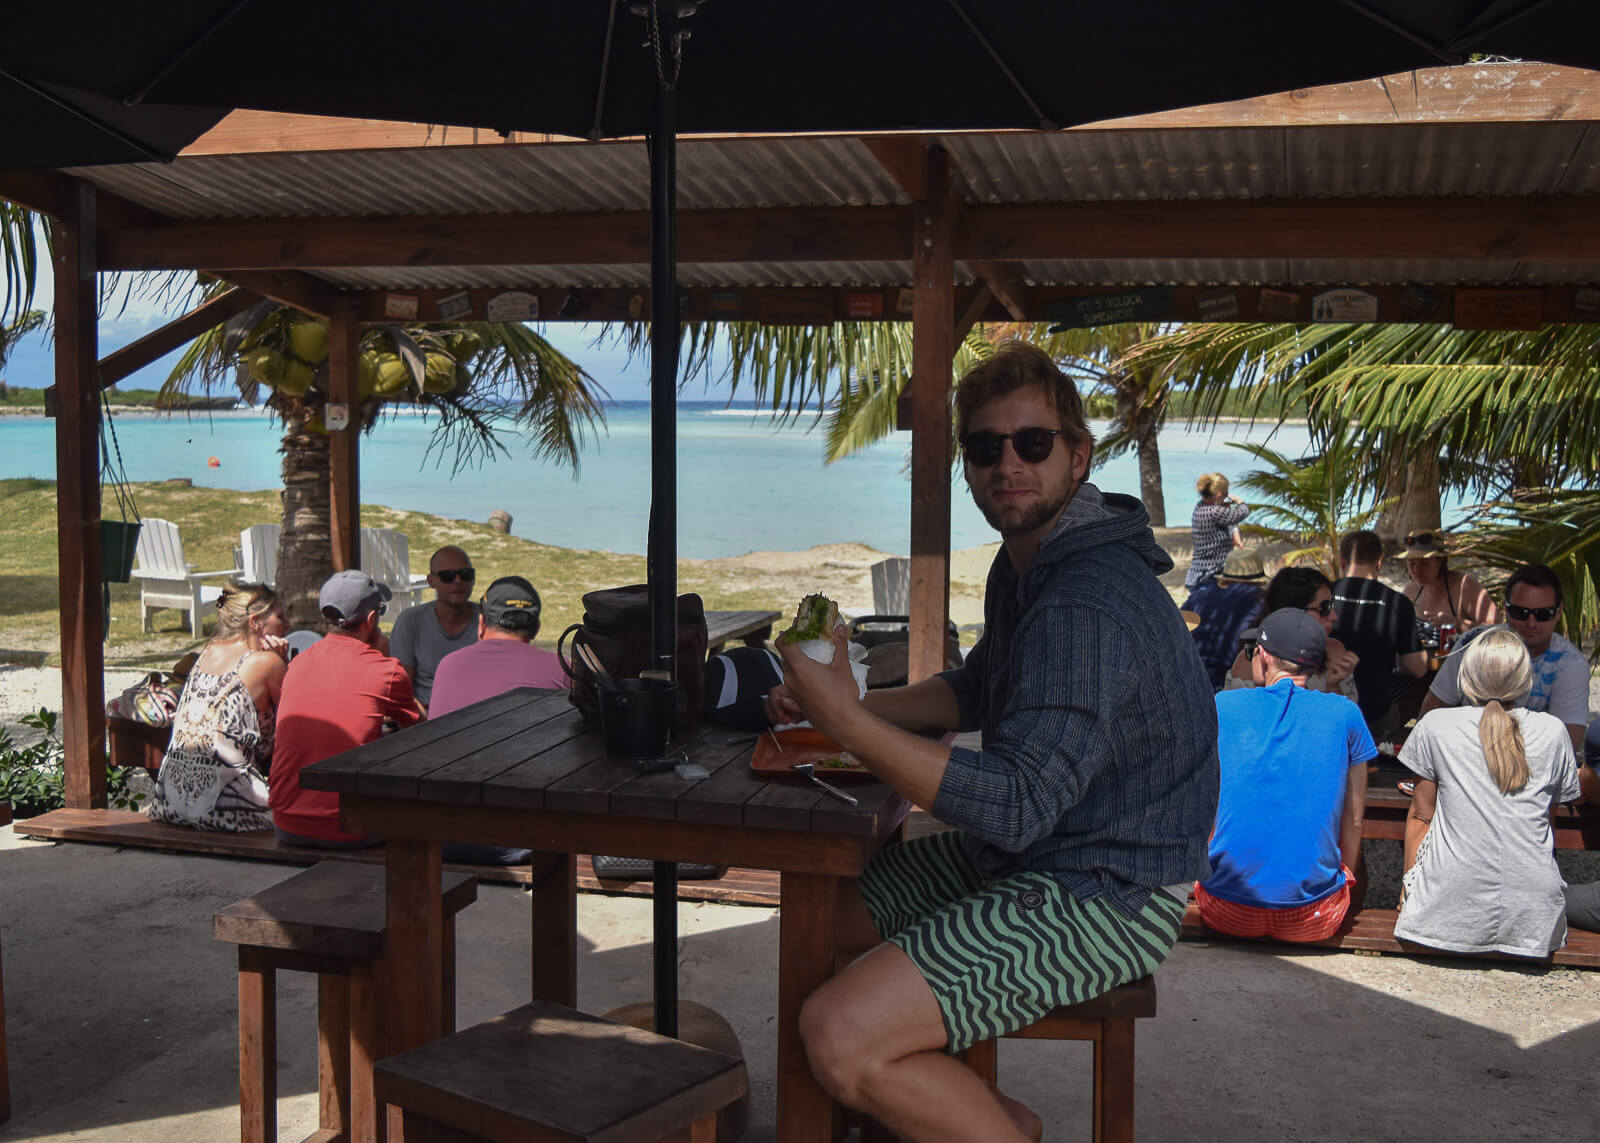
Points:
(1482, 412)
(479, 378)
(867, 365)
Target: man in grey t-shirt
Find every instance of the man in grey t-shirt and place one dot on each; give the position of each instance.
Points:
(423, 635)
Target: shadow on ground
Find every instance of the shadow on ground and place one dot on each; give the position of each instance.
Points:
(122, 1018)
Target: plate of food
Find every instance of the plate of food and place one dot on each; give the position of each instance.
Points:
(793, 747)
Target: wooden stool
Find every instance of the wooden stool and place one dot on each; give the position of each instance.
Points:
(547, 1074)
(328, 920)
(1107, 1021)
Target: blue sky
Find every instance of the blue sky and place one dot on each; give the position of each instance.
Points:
(31, 364)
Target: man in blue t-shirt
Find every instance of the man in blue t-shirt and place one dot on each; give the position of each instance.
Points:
(1294, 790)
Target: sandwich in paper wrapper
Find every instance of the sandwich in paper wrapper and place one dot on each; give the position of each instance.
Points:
(812, 633)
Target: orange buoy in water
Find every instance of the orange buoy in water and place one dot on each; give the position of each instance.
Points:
(213, 462)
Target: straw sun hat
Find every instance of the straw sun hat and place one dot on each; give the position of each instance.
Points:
(1244, 566)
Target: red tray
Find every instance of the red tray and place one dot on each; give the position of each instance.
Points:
(802, 745)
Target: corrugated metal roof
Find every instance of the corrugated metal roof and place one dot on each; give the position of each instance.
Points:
(1531, 159)
(1204, 163)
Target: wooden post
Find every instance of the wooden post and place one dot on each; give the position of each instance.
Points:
(932, 350)
(83, 699)
(344, 346)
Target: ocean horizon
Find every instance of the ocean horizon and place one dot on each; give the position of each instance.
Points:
(745, 483)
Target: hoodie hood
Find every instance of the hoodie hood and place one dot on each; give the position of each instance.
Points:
(1092, 518)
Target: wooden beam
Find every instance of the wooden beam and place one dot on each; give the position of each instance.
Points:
(243, 132)
(979, 300)
(905, 158)
(344, 344)
(1467, 229)
(52, 193)
(83, 700)
(160, 342)
(794, 234)
(1496, 229)
(1005, 280)
(292, 288)
(932, 350)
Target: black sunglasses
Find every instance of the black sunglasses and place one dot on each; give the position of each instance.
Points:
(1324, 609)
(1542, 614)
(450, 575)
(1033, 445)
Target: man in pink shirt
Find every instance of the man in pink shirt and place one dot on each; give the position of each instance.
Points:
(502, 658)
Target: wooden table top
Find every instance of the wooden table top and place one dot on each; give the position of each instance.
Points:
(529, 749)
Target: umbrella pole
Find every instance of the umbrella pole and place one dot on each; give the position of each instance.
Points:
(662, 561)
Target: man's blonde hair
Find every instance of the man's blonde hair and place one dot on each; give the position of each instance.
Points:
(1018, 365)
(1495, 673)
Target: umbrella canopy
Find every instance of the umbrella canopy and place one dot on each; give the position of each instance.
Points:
(48, 125)
(587, 68)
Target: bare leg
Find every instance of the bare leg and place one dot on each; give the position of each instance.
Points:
(874, 1036)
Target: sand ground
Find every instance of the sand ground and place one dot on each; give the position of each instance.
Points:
(121, 1019)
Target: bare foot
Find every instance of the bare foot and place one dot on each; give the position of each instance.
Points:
(1027, 1122)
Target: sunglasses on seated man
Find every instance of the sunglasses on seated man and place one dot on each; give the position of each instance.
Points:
(450, 575)
(1032, 445)
(1542, 614)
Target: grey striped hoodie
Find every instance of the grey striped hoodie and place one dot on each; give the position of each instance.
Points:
(1099, 758)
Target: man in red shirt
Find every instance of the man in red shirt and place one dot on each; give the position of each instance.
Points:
(337, 694)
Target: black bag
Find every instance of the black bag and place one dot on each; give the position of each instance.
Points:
(616, 627)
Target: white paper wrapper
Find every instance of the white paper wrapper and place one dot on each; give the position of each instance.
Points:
(822, 651)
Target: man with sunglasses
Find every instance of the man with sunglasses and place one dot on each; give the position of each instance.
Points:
(1560, 670)
(337, 695)
(424, 635)
(1081, 819)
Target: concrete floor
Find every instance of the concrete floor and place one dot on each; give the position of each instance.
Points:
(121, 1019)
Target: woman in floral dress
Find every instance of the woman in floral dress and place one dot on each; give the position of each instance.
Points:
(213, 774)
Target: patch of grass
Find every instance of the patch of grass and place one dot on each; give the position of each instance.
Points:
(210, 520)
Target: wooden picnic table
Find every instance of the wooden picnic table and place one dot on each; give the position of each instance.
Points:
(523, 769)
(751, 627)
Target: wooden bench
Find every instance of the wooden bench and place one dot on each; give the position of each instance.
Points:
(1372, 931)
(753, 628)
(1107, 1022)
(329, 920)
(543, 1073)
(132, 829)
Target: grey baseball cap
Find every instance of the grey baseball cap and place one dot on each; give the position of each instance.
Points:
(510, 602)
(349, 595)
(1291, 634)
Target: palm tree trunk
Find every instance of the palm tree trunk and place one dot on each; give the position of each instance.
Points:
(1412, 475)
(305, 550)
(1144, 423)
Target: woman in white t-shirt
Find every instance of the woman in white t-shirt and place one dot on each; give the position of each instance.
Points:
(1480, 873)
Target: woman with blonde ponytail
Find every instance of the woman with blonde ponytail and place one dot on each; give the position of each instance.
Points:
(1480, 874)
(213, 774)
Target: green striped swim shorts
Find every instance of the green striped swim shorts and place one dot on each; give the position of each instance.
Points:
(999, 954)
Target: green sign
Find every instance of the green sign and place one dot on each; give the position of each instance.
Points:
(1152, 304)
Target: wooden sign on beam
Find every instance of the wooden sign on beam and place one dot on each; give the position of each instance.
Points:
(1499, 309)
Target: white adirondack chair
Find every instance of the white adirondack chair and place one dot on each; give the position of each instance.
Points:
(258, 553)
(891, 586)
(166, 580)
(386, 557)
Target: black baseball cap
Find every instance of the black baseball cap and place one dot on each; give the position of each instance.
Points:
(510, 602)
(1291, 634)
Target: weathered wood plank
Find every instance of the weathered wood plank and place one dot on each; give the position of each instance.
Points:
(400, 775)
(462, 781)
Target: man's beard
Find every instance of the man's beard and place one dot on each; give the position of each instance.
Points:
(1034, 516)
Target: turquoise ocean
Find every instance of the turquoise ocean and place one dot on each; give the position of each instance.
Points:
(744, 482)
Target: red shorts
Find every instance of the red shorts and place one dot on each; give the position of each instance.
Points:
(1314, 922)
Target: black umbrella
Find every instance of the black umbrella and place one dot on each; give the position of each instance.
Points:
(606, 68)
